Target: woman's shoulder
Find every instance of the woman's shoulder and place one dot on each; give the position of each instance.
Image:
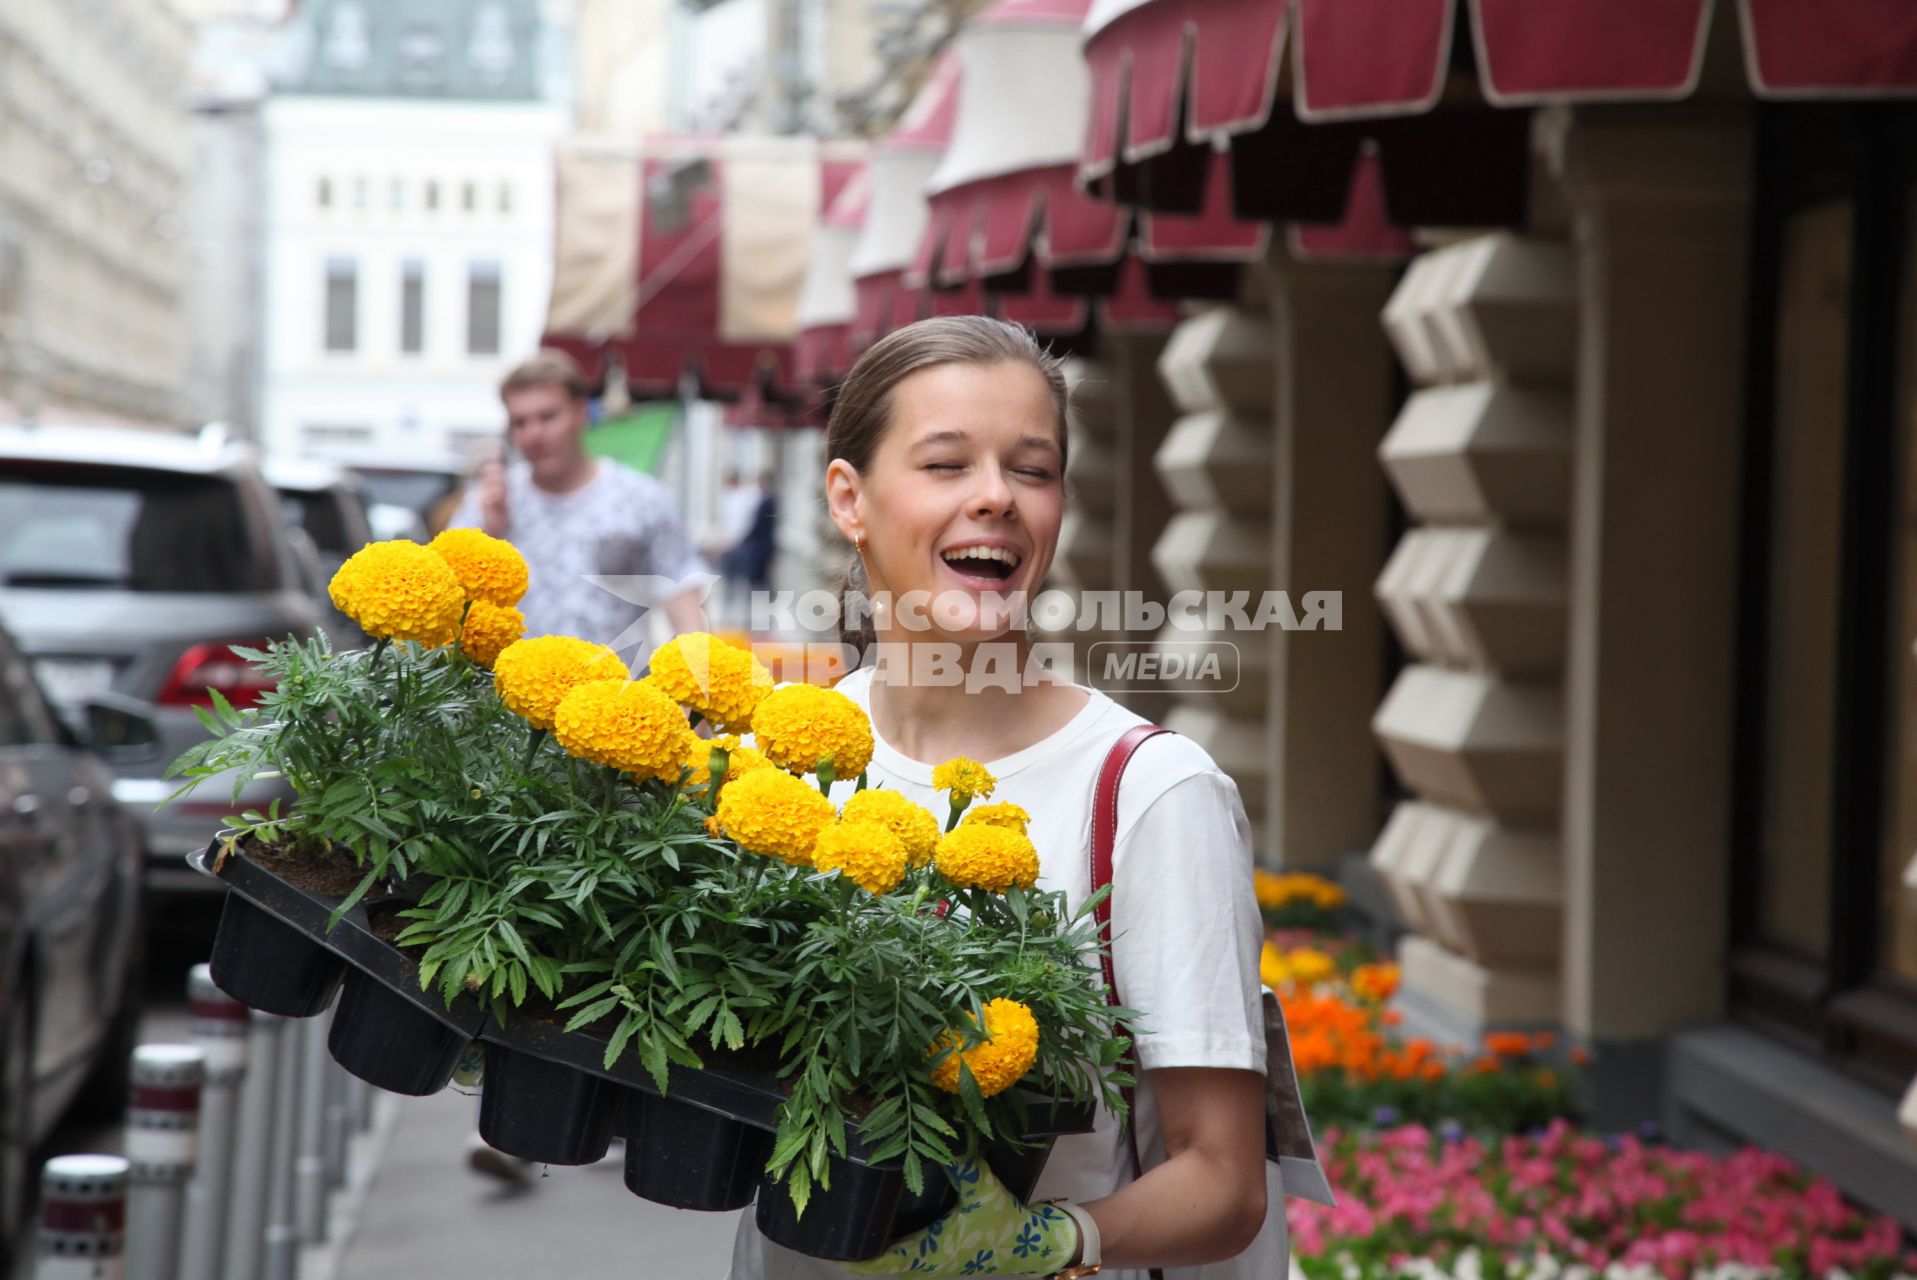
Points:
(1158, 764)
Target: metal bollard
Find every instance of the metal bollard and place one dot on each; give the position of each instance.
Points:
(244, 1254)
(82, 1219)
(339, 1127)
(309, 1165)
(220, 1030)
(162, 1143)
(281, 1261)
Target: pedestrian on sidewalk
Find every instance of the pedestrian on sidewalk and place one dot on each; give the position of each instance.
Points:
(575, 518)
(947, 446)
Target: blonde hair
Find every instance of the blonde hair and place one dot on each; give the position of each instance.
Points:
(547, 369)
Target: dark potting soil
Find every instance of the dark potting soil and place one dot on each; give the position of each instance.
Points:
(331, 873)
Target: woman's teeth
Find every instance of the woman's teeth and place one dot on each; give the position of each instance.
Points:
(983, 553)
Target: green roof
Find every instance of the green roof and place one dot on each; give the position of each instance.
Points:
(484, 50)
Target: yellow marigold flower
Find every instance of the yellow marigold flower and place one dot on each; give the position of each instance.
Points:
(1268, 887)
(399, 590)
(967, 780)
(488, 568)
(983, 856)
(1008, 1051)
(720, 681)
(799, 725)
(770, 812)
(1310, 965)
(1272, 969)
(913, 824)
(1005, 814)
(624, 724)
(489, 629)
(866, 852)
(1328, 896)
(534, 675)
(739, 759)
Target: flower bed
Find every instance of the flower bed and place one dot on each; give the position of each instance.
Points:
(1454, 1164)
(1416, 1205)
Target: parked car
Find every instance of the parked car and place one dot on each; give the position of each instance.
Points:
(130, 564)
(404, 490)
(323, 500)
(70, 923)
(322, 507)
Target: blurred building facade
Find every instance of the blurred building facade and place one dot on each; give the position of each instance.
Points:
(407, 256)
(234, 45)
(94, 153)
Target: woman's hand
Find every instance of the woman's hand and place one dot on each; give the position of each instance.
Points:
(991, 1233)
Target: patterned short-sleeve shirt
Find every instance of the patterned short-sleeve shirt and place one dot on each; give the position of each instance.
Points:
(622, 523)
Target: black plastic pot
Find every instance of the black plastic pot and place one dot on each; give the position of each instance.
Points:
(390, 1042)
(851, 1221)
(269, 965)
(543, 1111)
(691, 1158)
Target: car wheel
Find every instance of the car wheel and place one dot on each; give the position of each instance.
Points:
(16, 1126)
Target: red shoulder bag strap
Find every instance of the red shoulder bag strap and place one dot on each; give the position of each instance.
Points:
(1104, 837)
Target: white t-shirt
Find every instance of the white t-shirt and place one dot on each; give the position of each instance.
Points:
(621, 523)
(1186, 930)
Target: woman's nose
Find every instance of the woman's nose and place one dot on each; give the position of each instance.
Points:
(993, 496)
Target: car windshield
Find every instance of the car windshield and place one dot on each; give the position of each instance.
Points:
(127, 529)
(415, 490)
(319, 514)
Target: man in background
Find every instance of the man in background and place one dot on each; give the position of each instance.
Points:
(573, 515)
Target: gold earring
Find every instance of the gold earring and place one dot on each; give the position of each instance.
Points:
(858, 543)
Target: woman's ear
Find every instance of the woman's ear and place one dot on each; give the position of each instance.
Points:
(843, 500)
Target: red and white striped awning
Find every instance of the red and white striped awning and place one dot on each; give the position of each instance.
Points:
(1006, 211)
(828, 303)
(896, 212)
(1166, 72)
(685, 256)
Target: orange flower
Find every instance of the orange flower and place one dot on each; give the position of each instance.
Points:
(1580, 1057)
(1542, 1041)
(1508, 1044)
(1547, 1080)
(1486, 1066)
(1391, 1018)
(1375, 982)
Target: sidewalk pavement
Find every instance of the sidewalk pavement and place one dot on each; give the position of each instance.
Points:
(423, 1215)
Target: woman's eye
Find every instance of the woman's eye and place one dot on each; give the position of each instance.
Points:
(945, 466)
(1036, 473)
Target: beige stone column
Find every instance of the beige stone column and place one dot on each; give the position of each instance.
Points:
(1660, 216)
(1216, 464)
(1475, 590)
(1333, 382)
(1087, 558)
(1142, 508)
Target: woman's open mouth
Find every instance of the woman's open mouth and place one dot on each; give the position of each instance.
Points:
(984, 565)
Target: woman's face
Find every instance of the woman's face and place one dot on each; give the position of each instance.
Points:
(962, 500)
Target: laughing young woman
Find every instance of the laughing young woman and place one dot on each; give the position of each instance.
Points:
(947, 446)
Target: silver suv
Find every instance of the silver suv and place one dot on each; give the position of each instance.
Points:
(130, 563)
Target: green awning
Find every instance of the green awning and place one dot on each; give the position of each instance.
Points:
(637, 438)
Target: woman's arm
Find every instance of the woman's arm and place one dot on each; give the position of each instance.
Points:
(1206, 1203)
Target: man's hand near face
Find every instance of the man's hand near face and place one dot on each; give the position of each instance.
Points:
(490, 481)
